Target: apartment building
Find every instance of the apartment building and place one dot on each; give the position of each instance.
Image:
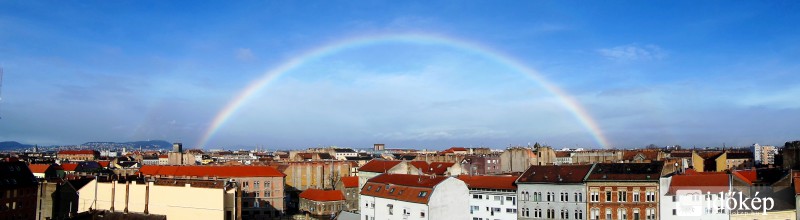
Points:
(553, 192)
(78, 155)
(175, 198)
(491, 197)
(414, 197)
(262, 186)
(624, 190)
(694, 196)
(321, 204)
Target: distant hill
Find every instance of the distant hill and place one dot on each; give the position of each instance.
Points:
(153, 145)
(13, 145)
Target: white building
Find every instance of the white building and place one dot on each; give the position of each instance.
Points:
(553, 192)
(344, 153)
(404, 197)
(491, 197)
(694, 196)
(176, 199)
(764, 154)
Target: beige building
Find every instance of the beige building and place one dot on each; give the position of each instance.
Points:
(78, 155)
(321, 204)
(262, 186)
(176, 199)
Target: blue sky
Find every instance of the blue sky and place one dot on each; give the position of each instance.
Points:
(662, 72)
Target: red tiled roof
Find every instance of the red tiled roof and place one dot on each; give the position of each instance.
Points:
(41, 168)
(322, 195)
(69, 166)
(555, 174)
(713, 183)
(408, 180)
(350, 181)
(438, 168)
(163, 156)
(749, 176)
(379, 166)
(489, 182)
(563, 153)
(216, 171)
(404, 187)
(104, 163)
(648, 155)
(78, 152)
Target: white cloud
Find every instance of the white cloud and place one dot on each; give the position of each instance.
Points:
(245, 54)
(633, 52)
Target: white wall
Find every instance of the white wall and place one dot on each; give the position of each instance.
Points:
(488, 200)
(176, 202)
(669, 203)
(447, 201)
(570, 205)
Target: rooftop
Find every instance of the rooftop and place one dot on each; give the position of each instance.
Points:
(322, 195)
(625, 172)
(713, 183)
(215, 171)
(490, 182)
(350, 181)
(379, 166)
(555, 174)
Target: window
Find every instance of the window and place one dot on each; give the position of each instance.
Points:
(255, 184)
(511, 210)
(550, 196)
(578, 214)
(595, 196)
(636, 196)
(477, 196)
(537, 213)
(650, 196)
(391, 209)
(635, 214)
(564, 196)
(595, 214)
(422, 194)
(369, 187)
(379, 189)
(622, 214)
(578, 197)
(391, 190)
(651, 213)
(422, 214)
(608, 213)
(564, 214)
(608, 196)
(525, 212)
(623, 196)
(498, 198)
(551, 213)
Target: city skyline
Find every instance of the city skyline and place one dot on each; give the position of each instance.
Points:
(412, 74)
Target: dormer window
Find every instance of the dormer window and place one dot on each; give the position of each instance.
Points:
(379, 189)
(391, 190)
(423, 194)
(369, 187)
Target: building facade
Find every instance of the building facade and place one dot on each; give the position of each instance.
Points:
(321, 204)
(553, 192)
(415, 197)
(78, 155)
(262, 187)
(491, 197)
(624, 191)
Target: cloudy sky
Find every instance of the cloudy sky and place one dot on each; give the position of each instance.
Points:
(690, 73)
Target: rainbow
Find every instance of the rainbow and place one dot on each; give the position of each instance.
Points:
(269, 76)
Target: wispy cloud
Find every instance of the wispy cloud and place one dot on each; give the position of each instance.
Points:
(633, 52)
(245, 54)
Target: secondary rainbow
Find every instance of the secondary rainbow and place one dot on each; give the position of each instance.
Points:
(568, 102)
